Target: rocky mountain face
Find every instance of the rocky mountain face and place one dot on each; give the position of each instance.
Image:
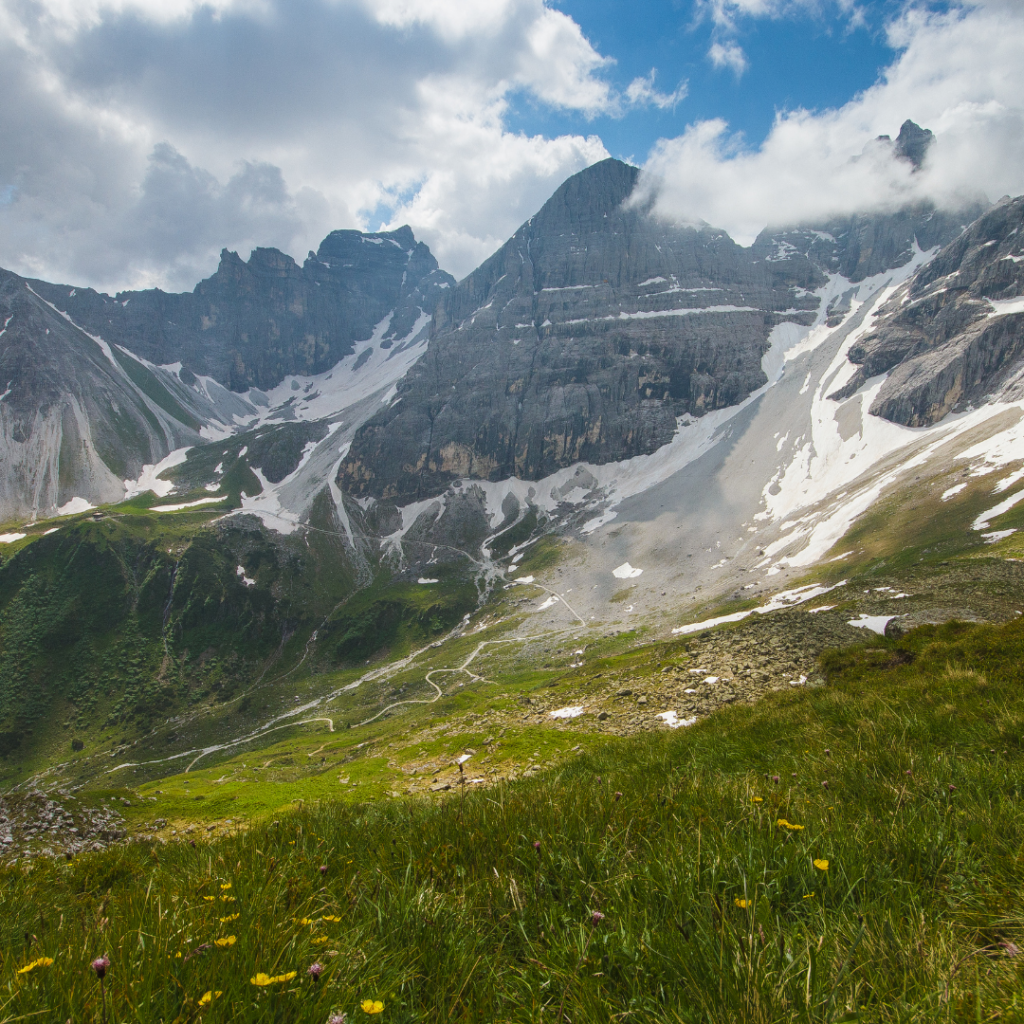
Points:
(252, 323)
(597, 325)
(365, 438)
(588, 337)
(96, 388)
(77, 417)
(954, 333)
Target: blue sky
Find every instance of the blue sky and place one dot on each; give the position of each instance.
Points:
(801, 60)
(143, 136)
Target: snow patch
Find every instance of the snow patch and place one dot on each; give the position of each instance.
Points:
(1007, 482)
(10, 538)
(571, 712)
(1002, 307)
(149, 478)
(240, 572)
(876, 623)
(983, 521)
(656, 314)
(784, 599)
(673, 721)
(626, 572)
(74, 506)
(996, 535)
(184, 504)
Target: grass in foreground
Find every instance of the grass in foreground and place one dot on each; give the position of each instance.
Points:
(851, 852)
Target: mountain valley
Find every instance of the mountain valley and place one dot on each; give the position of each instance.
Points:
(635, 624)
(345, 507)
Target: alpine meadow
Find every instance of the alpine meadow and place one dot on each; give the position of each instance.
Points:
(588, 587)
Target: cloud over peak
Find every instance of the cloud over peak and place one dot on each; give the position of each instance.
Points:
(959, 74)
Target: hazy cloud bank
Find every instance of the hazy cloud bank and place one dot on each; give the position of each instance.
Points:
(958, 73)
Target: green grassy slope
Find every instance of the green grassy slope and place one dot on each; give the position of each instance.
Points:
(109, 627)
(135, 629)
(904, 773)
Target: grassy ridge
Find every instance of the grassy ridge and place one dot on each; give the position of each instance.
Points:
(712, 910)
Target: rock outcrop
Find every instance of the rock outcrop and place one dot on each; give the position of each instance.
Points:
(954, 333)
(596, 326)
(582, 339)
(73, 421)
(252, 323)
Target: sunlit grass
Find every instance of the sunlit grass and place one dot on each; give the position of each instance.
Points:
(848, 852)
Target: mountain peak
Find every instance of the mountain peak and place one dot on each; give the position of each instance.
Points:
(913, 143)
(589, 196)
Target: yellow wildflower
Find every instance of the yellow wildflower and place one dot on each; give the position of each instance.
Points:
(743, 904)
(230, 917)
(262, 979)
(782, 823)
(809, 895)
(821, 865)
(177, 956)
(228, 940)
(208, 997)
(321, 939)
(330, 917)
(372, 1006)
(228, 899)
(757, 800)
(209, 899)
(43, 961)
(306, 920)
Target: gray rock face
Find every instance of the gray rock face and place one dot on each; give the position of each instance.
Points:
(951, 335)
(913, 143)
(73, 421)
(89, 400)
(597, 325)
(864, 245)
(582, 338)
(254, 322)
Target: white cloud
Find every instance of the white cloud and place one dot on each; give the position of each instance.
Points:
(74, 15)
(726, 14)
(558, 65)
(642, 93)
(959, 74)
(553, 59)
(452, 19)
(141, 136)
(728, 55)
(492, 180)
